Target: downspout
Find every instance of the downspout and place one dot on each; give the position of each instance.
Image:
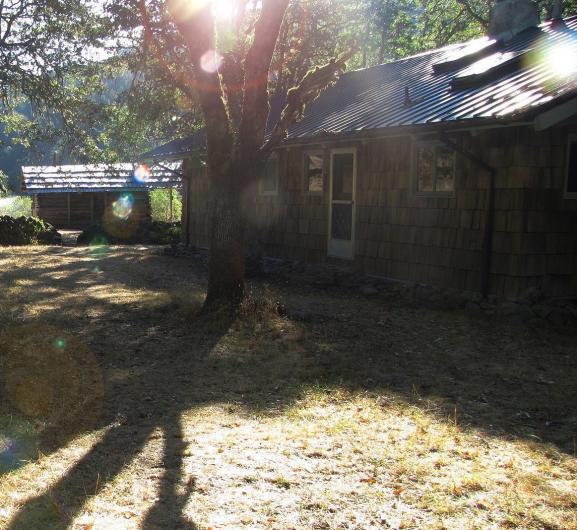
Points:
(489, 212)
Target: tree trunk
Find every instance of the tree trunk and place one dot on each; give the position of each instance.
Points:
(226, 255)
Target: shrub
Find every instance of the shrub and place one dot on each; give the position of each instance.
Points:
(27, 231)
(155, 233)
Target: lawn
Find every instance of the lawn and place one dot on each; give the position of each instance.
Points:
(122, 407)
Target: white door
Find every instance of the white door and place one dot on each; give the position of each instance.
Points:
(343, 175)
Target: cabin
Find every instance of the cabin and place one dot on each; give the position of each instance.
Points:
(455, 168)
(77, 196)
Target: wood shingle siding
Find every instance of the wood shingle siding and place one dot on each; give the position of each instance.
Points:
(428, 239)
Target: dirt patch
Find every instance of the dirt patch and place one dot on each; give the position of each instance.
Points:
(368, 412)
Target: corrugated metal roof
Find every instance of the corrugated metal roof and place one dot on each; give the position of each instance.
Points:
(480, 80)
(374, 98)
(99, 177)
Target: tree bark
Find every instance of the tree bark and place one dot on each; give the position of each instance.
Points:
(226, 250)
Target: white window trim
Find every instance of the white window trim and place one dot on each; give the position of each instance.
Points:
(270, 193)
(306, 154)
(415, 176)
(568, 194)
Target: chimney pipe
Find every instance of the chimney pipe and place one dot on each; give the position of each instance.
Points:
(557, 11)
(511, 17)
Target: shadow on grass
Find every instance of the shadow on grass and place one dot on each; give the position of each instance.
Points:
(502, 378)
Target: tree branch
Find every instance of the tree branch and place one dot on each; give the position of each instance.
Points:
(255, 107)
(311, 85)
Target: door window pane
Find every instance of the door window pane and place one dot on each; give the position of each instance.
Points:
(343, 167)
(341, 221)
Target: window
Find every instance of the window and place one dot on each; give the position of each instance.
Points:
(314, 173)
(269, 180)
(435, 169)
(571, 176)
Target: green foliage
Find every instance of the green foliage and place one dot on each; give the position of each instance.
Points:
(154, 233)
(27, 231)
(160, 205)
(15, 206)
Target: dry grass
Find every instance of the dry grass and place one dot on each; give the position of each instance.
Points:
(123, 408)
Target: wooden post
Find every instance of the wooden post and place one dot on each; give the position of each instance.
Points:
(68, 208)
(170, 204)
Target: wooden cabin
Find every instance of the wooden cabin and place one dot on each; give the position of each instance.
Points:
(77, 196)
(455, 168)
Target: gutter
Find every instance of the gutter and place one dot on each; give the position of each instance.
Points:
(489, 212)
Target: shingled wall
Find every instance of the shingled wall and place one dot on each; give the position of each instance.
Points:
(436, 241)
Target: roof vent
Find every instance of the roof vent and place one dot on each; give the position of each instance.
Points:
(511, 17)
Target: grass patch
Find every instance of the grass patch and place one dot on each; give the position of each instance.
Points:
(253, 420)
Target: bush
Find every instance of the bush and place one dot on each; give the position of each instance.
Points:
(155, 233)
(27, 231)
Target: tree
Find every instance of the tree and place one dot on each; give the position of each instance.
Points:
(231, 87)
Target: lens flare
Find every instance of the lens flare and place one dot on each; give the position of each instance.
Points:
(98, 246)
(185, 9)
(60, 343)
(59, 390)
(210, 61)
(562, 59)
(122, 207)
(142, 173)
(18, 443)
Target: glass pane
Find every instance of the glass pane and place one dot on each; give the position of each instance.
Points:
(425, 168)
(572, 170)
(341, 222)
(314, 173)
(445, 170)
(270, 175)
(343, 177)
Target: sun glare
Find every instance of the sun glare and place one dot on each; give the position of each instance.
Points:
(563, 60)
(223, 9)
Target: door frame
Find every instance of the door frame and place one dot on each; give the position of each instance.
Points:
(339, 248)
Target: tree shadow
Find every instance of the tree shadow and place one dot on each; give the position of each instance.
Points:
(501, 378)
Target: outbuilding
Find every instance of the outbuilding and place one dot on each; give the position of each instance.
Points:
(77, 196)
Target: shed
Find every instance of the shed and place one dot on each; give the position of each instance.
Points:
(456, 167)
(76, 196)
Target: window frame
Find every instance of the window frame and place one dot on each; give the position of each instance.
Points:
(305, 179)
(571, 138)
(270, 193)
(415, 169)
